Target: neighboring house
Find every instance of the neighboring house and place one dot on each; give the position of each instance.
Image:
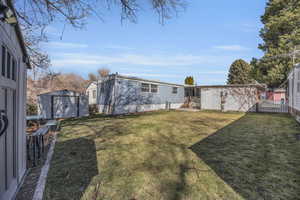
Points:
(14, 62)
(241, 98)
(294, 91)
(121, 94)
(62, 104)
(91, 92)
(278, 96)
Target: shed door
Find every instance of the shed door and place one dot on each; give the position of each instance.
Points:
(8, 140)
(210, 99)
(65, 106)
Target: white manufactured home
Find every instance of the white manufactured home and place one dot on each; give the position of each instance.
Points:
(14, 63)
(62, 104)
(122, 94)
(294, 91)
(92, 92)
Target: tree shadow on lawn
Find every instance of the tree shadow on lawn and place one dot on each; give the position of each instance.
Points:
(257, 155)
(72, 169)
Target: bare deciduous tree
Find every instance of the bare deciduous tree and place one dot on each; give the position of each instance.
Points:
(50, 81)
(103, 72)
(92, 77)
(35, 15)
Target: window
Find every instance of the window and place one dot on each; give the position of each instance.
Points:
(8, 65)
(145, 87)
(94, 94)
(3, 60)
(13, 76)
(154, 88)
(299, 75)
(298, 87)
(174, 90)
(88, 94)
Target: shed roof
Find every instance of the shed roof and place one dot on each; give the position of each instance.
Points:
(57, 91)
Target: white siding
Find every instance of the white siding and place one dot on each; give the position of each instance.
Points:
(241, 99)
(91, 93)
(294, 94)
(9, 39)
(211, 98)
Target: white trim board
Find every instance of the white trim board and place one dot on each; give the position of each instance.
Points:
(39, 190)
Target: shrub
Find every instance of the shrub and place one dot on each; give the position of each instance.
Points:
(31, 109)
(93, 109)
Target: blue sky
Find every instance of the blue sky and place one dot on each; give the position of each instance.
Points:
(202, 42)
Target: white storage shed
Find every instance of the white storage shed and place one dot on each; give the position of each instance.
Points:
(242, 98)
(62, 104)
(14, 62)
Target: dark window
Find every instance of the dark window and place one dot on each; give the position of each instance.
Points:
(154, 88)
(198, 92)
(174, 90)
(298, 87)
(14, 70)
(8, 65)
(145, 87)
(3, 60)
(94, 94)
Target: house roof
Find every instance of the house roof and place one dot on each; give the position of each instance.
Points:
(279, 90)
(20, 36)
(93, 82)
(54, 91)
(147, 80)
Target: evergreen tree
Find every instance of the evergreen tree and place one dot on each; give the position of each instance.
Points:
(239, 72)
(189, 80)
(281, 33)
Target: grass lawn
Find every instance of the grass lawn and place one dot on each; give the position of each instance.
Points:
(177, 155)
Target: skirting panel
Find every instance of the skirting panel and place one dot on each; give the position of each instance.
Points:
(136, 108)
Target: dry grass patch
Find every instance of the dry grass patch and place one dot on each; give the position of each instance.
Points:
(159, 155)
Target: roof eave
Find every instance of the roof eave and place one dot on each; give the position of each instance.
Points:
(20, 37)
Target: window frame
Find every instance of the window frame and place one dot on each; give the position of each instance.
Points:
(175, 91)
(94, 94)
(8, 64)
(14, 69)
(3, 60)
(155, 90)
(143, 88)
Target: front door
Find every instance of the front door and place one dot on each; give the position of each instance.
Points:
(8, 136)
